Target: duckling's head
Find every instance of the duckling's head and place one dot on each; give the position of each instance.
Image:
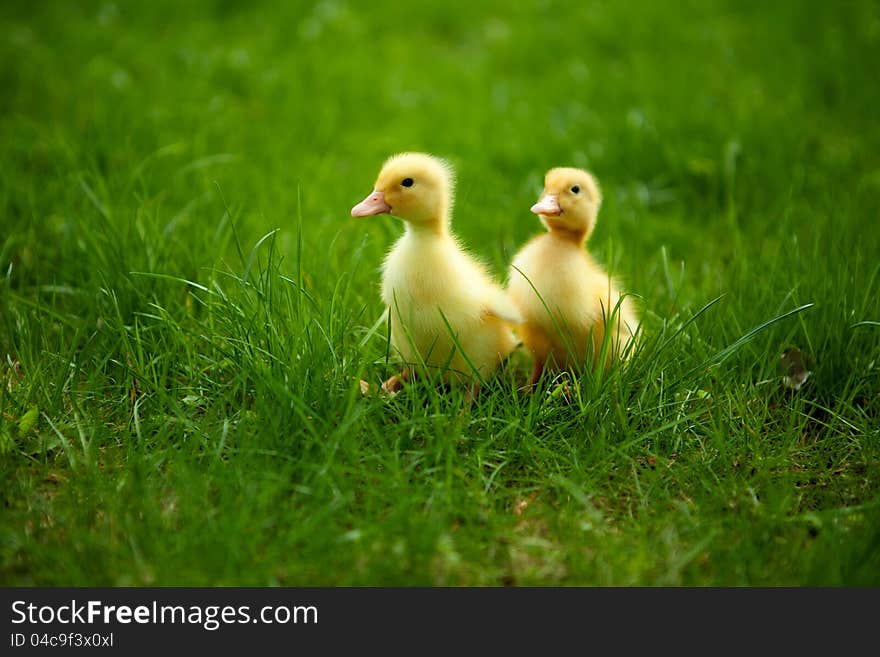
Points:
(570, 201)
(415, 187)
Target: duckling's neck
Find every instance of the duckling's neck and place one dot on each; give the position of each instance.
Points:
(437, 227)
(576, 237)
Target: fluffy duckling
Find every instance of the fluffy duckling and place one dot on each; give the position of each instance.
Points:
(431, 287)
(554, 272)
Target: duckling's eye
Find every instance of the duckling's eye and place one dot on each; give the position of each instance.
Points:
(575, 190)
(407, 182)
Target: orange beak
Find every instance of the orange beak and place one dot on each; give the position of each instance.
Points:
(373, 204)
(548, 206)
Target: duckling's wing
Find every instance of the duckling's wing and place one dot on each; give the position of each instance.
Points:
(493, 299)
(498, 305)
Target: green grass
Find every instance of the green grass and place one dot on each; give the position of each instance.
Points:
(185, 303)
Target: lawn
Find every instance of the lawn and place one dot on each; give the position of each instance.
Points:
(186, 305)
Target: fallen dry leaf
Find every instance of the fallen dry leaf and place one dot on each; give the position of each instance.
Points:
(795, 372)
(522, 505)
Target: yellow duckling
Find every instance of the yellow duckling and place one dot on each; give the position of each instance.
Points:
(432, 288)
(553, 272)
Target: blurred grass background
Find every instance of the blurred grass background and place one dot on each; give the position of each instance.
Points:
(158, 432)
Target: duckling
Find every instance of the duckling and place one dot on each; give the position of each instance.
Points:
(553, 272)
(432, 288)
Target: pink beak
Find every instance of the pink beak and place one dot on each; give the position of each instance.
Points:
(373, 204)
(548, 206)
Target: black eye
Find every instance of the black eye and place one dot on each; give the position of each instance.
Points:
(575, 189)
(407, 182)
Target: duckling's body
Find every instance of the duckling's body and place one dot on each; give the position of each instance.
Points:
(567, 300)
(428, 279)
(432, 288)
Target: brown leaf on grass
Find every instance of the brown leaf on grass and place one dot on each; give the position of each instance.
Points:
(522, 505)
(794, 371)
